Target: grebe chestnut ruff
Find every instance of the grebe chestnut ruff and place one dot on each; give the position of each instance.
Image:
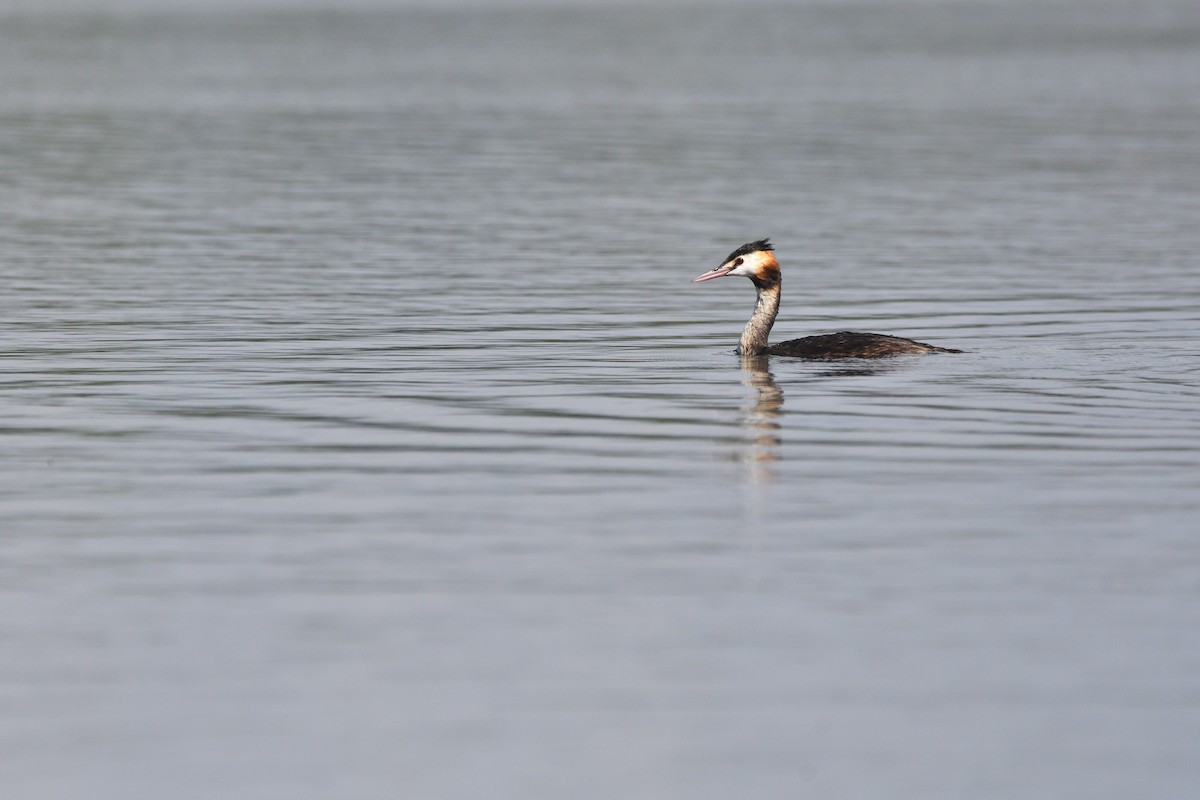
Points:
(756, 261)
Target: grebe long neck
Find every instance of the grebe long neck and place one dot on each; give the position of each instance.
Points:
(754, 337)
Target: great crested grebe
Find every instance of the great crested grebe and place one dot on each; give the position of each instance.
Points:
(756, 261)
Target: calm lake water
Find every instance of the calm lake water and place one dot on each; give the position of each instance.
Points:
(364, 437)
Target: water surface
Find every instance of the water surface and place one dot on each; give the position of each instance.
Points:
(364, 437)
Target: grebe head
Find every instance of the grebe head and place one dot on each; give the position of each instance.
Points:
(753, 260)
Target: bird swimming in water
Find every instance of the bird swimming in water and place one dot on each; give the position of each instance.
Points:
(756, 261)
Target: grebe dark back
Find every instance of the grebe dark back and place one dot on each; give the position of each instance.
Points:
(756, 261)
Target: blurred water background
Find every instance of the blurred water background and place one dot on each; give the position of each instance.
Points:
(363, 436)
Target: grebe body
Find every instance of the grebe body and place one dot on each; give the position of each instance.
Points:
(756, 261)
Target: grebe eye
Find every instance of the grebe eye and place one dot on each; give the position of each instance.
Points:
(737, 262)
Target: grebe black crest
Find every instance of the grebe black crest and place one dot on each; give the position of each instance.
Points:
(756, 261)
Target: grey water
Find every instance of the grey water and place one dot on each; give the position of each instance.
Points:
(362, 435)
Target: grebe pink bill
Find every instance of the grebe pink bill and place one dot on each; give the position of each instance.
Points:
(756, 261)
